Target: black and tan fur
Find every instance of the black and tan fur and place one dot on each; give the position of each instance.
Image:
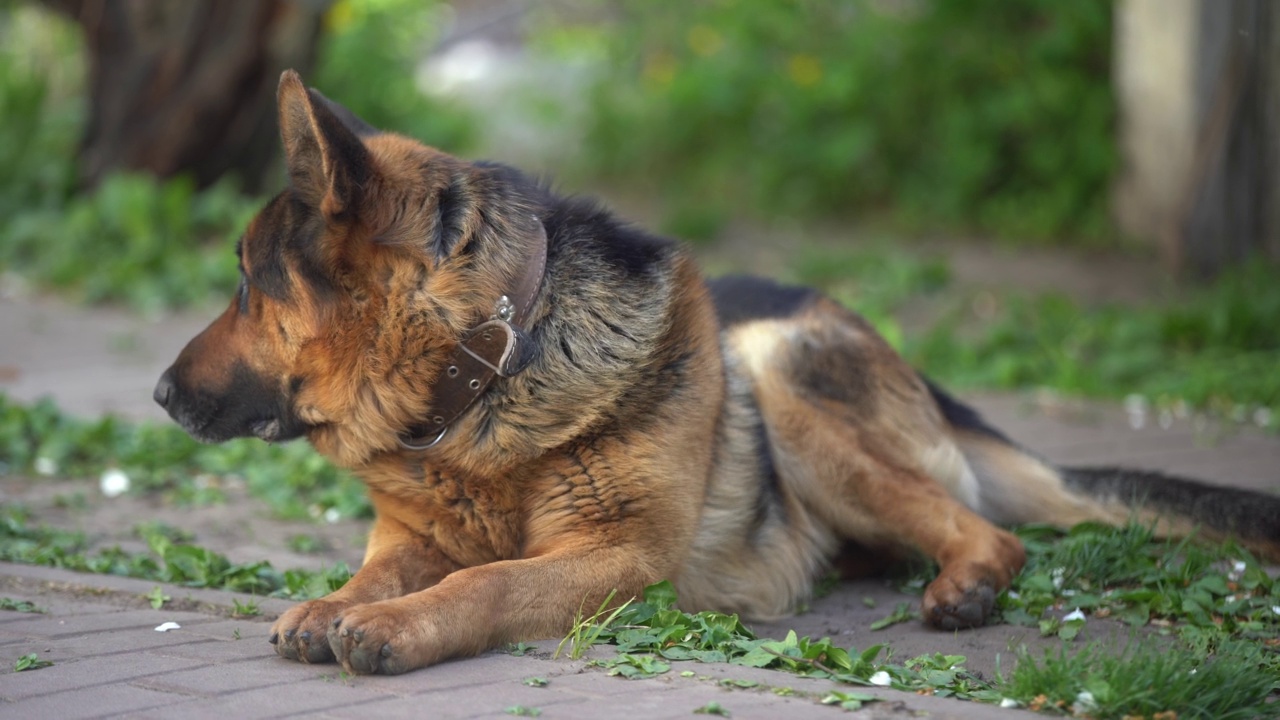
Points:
(736, 436)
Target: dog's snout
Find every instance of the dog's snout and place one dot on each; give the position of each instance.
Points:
(164, 389)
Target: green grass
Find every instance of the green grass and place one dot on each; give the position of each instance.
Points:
(293, 479)
(1214, 348)
(1214, 610)
(1147, 678)
(167, 562)
(1217, 347)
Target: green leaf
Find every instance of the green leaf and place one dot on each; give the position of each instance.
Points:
(661, 595)
(30, 661)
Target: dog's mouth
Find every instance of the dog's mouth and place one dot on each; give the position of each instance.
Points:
(271, 430)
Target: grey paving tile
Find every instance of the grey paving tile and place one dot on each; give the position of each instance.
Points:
(212, 679)
(284, 699)
(61, 626)
(94, 702)
(68, 673)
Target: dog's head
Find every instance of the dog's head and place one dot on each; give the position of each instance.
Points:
(356, 281)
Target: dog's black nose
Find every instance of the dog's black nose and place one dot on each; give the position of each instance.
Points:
(164, 389)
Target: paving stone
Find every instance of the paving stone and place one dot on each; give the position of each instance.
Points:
(109, 643)
(71, 672)
(285, 698)
(210, 679)
(61, 626)
(466, 702)
(94, 702)
(219, 650)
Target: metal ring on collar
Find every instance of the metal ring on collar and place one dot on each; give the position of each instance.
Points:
(410, 446)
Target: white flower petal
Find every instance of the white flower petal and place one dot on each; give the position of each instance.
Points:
(332, 515)
(114, 482)
(1073, 615)
(1084, 703)
(881, 678)
(46, 466)
(166, 627)
(1009, 703)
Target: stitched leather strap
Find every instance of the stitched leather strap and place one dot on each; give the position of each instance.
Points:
(497, 346)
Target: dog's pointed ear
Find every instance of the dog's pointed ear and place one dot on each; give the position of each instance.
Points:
(328, 165)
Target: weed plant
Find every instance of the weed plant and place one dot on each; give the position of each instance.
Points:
(162, 459)
(179, 563)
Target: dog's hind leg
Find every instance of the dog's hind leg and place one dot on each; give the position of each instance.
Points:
(876, 500)
(857, 439)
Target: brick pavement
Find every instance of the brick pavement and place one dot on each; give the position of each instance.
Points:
(110, 662)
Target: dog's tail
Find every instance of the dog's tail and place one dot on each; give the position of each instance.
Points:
(1015, 486)
(1251, 516)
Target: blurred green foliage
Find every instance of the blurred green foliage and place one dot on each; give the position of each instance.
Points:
(41, 110)
(991, 115)
(1215, 347)
(134, 239)
(162, 244)
(294, 480)
(368, 59)
(1218, 347)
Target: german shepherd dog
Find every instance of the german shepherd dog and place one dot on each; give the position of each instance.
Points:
(547, 405)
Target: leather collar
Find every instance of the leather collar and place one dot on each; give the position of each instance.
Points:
(497, 346)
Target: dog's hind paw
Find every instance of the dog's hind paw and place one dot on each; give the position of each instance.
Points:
(958, 609)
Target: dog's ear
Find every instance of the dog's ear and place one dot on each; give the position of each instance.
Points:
(328, 165)
(353, 122)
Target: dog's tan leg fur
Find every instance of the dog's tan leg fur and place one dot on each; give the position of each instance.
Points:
(877, 468)
(395, 563)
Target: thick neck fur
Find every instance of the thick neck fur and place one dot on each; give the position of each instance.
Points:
(598, 322)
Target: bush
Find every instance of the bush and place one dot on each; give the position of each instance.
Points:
(992, 115)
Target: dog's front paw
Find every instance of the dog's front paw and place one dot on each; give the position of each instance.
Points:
(376, 638)
(301, 633)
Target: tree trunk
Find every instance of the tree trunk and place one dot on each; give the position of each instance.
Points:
(1198, 84)
(188, 87)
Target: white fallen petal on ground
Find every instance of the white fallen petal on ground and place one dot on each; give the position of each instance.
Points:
(1085, 703)
(114, 482)
(881, 678)
(166, 627)
(1073, 615)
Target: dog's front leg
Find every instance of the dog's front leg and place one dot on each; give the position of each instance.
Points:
(486, 606)
(396, 563)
